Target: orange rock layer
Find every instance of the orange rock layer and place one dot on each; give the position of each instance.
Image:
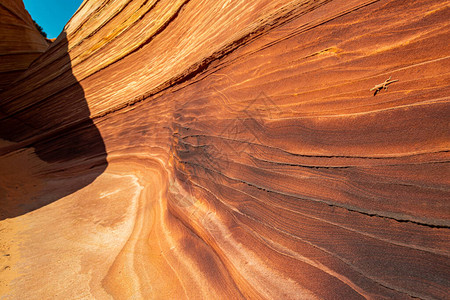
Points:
(227, 150)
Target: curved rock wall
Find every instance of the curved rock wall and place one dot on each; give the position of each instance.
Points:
(20, 42)
(246, 156)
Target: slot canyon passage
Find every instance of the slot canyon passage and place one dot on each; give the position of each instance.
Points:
(205, 149)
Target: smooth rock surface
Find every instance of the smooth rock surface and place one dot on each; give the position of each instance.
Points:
(228, 150)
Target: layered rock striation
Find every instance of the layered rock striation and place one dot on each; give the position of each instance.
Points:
(224, 149)
(20, 42)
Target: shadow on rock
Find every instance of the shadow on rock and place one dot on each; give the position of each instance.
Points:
(46, 110)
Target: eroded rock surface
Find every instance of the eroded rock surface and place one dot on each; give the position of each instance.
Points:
(20, 42)
(231, 149)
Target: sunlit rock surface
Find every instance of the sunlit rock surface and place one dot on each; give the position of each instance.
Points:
(229, 150)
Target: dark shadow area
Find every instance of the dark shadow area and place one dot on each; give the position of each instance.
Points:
(53, 118)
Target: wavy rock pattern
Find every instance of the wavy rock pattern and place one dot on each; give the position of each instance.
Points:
(20, 42)
(246, 156)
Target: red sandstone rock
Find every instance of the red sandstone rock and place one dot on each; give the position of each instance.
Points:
(214, 149)
(20, 42)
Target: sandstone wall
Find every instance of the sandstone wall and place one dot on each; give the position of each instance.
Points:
(20, 42)
(232, 149)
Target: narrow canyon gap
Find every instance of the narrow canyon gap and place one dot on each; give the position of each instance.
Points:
(203, 149)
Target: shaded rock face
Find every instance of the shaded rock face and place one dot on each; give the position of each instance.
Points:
(209, 149)
(61, 144)
(20, 41)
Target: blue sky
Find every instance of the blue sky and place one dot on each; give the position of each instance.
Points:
(52, 15)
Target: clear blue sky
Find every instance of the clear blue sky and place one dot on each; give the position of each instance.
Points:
(52, 15)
